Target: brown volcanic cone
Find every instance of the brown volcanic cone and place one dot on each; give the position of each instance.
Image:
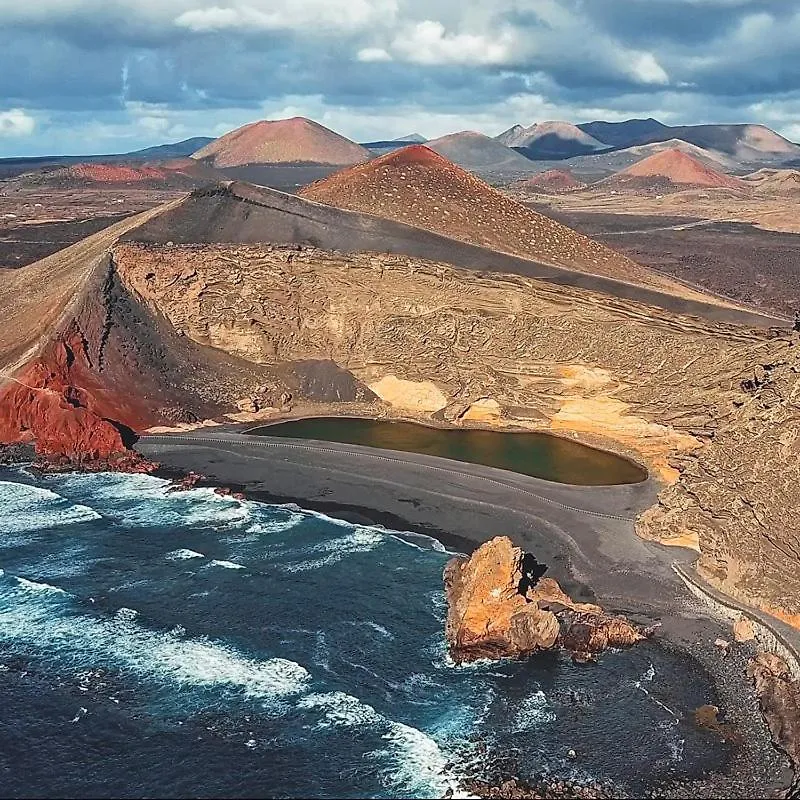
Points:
(680, 168)
(552, 181)
(282, 141)
(421, 188)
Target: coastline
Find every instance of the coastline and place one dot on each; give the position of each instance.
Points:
(474, 495)
(584, 535)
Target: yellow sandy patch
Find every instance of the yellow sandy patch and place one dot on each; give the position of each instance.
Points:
(182, 427)
(422, 396)
(486, 409)
(691, 541)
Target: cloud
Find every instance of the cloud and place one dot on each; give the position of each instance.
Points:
(645, 69)
(16, 122)
(307, 15)
(108, 73)
(372, 54)
(428, 42)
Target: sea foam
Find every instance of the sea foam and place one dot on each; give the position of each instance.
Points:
(41, 618)
(26, 509)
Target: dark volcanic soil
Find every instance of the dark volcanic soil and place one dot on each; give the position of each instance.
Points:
(284, 177)
(753, 266)
(25, 244)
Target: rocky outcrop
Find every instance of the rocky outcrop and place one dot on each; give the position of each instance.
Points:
(499, 609)
(779, 698)
(50, 403)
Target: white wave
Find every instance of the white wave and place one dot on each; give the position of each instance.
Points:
(359, 540)
(183, 554)
(418, 763)
(145, 501)
(127, 614)
(283, 520)
(225, 564)
(532, 712)
(341, 709)
(419, 540)
(34, 586)
(43, 622)
(27, 509)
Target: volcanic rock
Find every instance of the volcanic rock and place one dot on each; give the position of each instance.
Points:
(496, 610)
(779, 697)
(551, 181)
(419, 187)
(281, 141)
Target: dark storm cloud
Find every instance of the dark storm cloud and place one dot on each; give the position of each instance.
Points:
(174, 62)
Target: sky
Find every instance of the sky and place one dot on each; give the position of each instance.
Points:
(101, 76)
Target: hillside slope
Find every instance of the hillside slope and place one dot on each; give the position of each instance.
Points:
(281, 141)
(420, 188)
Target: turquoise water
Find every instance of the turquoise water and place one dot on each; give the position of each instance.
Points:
(538, 454)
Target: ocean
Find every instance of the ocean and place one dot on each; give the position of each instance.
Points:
(157, 644)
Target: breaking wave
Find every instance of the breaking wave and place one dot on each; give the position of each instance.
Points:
(55, 630)
(26, 509)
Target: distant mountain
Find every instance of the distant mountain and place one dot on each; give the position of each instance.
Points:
(10, 167)
(625, 134)
(550, 140)
(180, 149)
(712, 158)
(295, 140)
(172, 174)
(481, 154)
(746, 143)
(384, 146)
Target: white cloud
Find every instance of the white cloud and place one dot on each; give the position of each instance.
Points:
(307, 15)
(645, 69)
(370, 54)
(15, 122)
(428, 42)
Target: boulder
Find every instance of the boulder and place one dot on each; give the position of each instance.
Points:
(779, 698)
(499, 608)
(743, 630)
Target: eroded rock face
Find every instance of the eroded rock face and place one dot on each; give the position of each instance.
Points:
(779, 698)
(497, 609)
(674, 389)
(45, 404)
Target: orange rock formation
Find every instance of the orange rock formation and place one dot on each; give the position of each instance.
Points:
(496, 610)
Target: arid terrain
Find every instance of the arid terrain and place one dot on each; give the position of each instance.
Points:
(693, 398)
